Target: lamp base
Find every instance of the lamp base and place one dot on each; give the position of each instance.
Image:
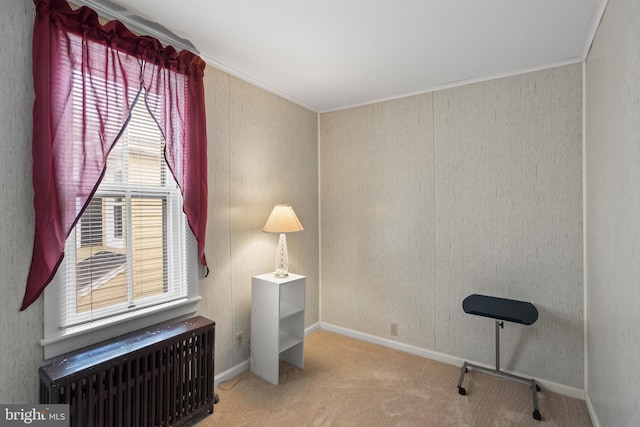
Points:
(282, 258)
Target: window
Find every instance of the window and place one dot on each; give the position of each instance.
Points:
(128, 251)
(138, 206)
(103, 178)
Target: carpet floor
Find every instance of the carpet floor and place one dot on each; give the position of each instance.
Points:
(349, 382)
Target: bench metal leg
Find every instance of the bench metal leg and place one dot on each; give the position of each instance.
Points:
(535, 388)
(463, 370)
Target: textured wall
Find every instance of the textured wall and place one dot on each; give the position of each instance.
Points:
(377, 193)
(262, 151)
(509, 218)
(613, 215)
(428, 199)
(20, 353)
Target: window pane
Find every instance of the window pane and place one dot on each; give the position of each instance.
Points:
(101, 267)
(148, 243)
(145, 149)
(91, 224)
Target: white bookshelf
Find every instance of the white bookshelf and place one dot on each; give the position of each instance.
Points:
(277, 323)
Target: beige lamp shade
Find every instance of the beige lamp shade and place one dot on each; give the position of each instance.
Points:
(282, 220)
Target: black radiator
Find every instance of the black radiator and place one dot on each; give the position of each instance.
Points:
(160, 376)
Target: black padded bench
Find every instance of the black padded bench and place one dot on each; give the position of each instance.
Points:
(502, 310)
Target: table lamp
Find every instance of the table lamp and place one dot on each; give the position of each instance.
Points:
(282, 220)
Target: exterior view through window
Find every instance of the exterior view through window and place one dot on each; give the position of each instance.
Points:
(127, 251)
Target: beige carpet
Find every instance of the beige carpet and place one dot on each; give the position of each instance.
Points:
(348, 382)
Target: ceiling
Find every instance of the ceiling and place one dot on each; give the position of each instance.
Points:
(331, 54)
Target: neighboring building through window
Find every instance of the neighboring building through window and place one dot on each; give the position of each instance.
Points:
(91, 224)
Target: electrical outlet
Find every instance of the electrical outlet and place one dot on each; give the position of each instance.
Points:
(239, 339)
(393, 330)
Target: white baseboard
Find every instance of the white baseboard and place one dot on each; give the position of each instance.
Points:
(592, 411)
(312, 328)
(445, 358)
(231, 373)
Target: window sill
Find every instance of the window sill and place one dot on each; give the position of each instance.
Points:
(95, 332)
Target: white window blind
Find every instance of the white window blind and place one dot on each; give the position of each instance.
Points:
(127, 251)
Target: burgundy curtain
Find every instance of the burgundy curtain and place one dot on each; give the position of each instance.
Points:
(106, 66)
